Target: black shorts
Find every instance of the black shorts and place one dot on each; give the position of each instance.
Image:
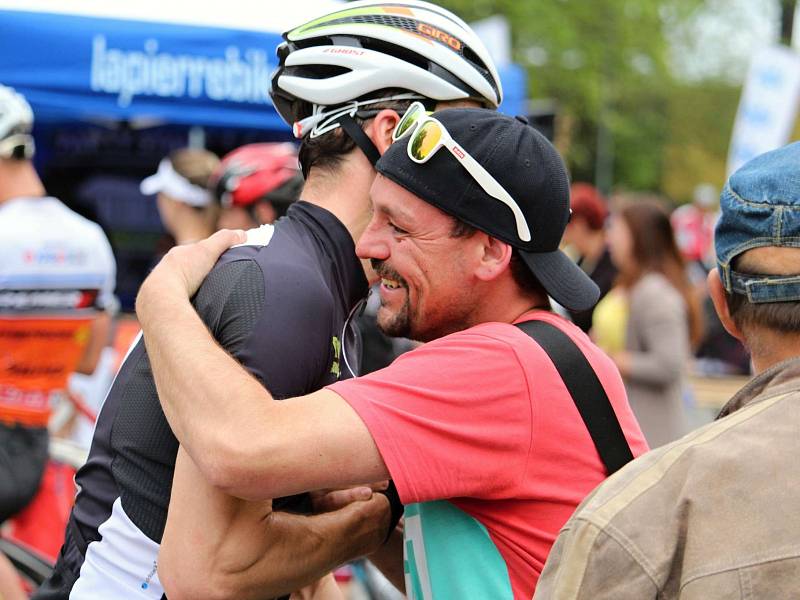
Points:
(23, 457)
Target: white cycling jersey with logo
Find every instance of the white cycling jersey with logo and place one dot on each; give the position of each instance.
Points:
(56, 271)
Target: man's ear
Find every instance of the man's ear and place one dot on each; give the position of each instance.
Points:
(494, 256)
(717, 292)
(381, 128)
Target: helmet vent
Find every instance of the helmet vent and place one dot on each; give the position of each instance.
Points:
(407, 24)
(387, 20)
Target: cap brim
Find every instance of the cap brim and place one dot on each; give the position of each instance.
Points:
(150, 185)
(564, 281)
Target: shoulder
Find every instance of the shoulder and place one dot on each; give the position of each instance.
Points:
(481, 357)
(235, 275)
(483, 341)
(495, 356)
(699, 468)
(507, 340)
(655, 290)
(653, 283)
(286, 257)
(69, 218)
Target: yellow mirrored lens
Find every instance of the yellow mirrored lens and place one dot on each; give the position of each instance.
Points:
(426, 140)
(412, 116)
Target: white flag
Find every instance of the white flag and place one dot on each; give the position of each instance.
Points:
(768, 107)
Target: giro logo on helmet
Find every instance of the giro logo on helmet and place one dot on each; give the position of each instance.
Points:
(439, 35)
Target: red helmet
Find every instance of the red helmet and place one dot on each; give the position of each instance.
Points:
(258, 172)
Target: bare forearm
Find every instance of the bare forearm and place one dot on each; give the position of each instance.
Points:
(246, 551)
(389, 559)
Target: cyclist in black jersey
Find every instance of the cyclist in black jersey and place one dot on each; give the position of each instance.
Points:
(291, 287)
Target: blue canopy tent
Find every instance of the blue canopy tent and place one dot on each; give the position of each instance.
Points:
(157, 61)
(92, 61)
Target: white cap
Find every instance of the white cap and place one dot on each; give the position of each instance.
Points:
(171, 183)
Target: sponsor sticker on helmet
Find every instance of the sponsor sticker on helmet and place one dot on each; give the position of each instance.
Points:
(433, 33)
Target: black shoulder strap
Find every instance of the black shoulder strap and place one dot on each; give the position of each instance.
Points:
(588, 394)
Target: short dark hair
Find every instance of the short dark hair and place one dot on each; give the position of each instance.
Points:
(328, 150)
(783, 317)
(526, 280)
(522, 275)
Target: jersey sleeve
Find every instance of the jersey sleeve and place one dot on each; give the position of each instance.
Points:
(229, 302)
(267, 324)
(451, 419)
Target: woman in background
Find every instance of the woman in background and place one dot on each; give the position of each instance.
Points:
(651, 320)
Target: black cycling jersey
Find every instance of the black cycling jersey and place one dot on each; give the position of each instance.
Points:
(281, 309)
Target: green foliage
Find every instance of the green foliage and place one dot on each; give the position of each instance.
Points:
(700, 121)
(605, 61)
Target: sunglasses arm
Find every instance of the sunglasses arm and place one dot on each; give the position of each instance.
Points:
(491, 187)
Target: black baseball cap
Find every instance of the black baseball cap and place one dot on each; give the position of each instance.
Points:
(531, 171)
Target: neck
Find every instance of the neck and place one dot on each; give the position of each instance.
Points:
(768, 348)
(504, 302)
(344, 192)
(18, 179)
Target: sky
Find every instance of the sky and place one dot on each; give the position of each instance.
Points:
(723, 35)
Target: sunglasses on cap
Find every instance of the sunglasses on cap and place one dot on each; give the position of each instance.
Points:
(428, 135)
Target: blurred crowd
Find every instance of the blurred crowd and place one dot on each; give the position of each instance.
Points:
(655, 317)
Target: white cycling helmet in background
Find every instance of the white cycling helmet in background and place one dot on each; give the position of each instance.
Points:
(332, 65)
(16, 122)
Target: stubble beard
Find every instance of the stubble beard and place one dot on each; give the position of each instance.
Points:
(397, 324)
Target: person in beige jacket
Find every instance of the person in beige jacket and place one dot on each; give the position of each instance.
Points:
(648, 321)
(714, 514)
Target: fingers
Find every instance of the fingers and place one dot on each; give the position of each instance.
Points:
(189, 264)
(182, 270)
(334, 500)
(223, 239)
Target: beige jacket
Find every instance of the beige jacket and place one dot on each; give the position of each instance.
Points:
(657, 340)
(714, 515)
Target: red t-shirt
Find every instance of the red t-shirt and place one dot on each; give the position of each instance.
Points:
(482, 420)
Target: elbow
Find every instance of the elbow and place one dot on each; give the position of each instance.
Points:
(238, 468)
(208, 587)
(178, 577)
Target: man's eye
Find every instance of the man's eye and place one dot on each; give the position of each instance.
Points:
(396, 228)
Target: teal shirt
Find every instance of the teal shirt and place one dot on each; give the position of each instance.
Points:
(449, 554)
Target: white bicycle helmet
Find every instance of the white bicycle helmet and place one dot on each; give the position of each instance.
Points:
(16, 122)
(366, 46)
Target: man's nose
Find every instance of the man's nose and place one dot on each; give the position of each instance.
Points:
(372, 244)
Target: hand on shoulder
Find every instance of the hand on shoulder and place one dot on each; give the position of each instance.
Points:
(179, 274)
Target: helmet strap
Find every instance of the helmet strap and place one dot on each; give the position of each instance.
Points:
(360, 138)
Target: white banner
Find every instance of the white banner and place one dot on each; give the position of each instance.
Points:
(768, 107)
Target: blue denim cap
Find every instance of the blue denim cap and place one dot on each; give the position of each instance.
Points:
(760, 206)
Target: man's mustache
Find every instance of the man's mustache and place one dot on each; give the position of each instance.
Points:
(384, 271)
